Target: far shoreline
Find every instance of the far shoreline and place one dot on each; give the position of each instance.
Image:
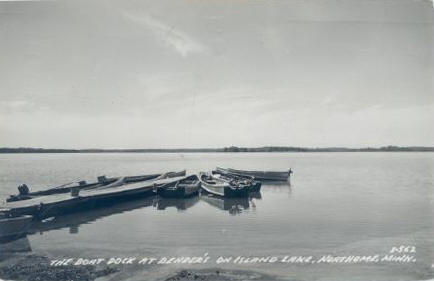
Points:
(232, 149)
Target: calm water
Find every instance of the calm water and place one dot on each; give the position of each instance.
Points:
(338, 203)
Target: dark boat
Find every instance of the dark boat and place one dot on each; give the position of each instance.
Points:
(252, 184)
(258, 175)
(186, 187)
(219, 187)
(103, 181)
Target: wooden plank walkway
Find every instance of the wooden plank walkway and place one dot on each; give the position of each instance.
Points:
(35, 205)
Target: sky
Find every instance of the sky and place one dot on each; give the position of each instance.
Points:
(215, 73)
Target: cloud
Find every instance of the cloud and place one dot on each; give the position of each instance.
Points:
(174, 38)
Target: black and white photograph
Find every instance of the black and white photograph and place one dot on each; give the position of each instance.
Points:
(217, 140)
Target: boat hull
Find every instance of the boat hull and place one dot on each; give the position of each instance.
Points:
(239, 192)
(253, 185)
(184, 188)
(182, 192)
(109, 182)
(258, 175)
(222, 188)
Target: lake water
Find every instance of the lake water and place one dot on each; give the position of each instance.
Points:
(338, 203)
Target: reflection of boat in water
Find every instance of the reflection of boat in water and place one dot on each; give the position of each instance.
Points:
(16, 244)
(178, 203)
(232, 205)
(255, 195)
(20, 243)
(73, 221)
(12, 226)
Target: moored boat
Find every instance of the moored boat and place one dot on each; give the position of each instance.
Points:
(103, 182)
(186, 187)
(173, 174)
(258, 175)
(222, 188)
(252, 184)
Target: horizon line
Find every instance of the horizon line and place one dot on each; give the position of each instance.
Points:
(391, 148)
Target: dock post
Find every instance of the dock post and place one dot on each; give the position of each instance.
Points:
(23, 189)
(289, 176)
(75, 191)
(102, 179)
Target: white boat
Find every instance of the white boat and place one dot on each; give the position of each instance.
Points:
(221, 188)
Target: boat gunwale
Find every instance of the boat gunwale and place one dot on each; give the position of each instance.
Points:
(259, 175)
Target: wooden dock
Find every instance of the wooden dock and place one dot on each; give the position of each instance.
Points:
(52, 205)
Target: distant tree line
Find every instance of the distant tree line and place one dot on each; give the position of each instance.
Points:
(265, 149)
(389, 148)
(326, 149)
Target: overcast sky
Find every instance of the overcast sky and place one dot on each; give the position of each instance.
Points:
(192, 73)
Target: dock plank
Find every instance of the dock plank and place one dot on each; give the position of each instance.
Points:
(85, 194)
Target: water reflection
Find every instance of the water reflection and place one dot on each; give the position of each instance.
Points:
(255, 195)
(20, 243)
(277, 183)
(179, 204)
(233, 205)
(73, 221)
(13, 245)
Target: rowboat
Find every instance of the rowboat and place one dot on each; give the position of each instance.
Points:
(186, 187)
(10, 226)
(220, 187)
(252, 184)
(259, 175)
(103, 181)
